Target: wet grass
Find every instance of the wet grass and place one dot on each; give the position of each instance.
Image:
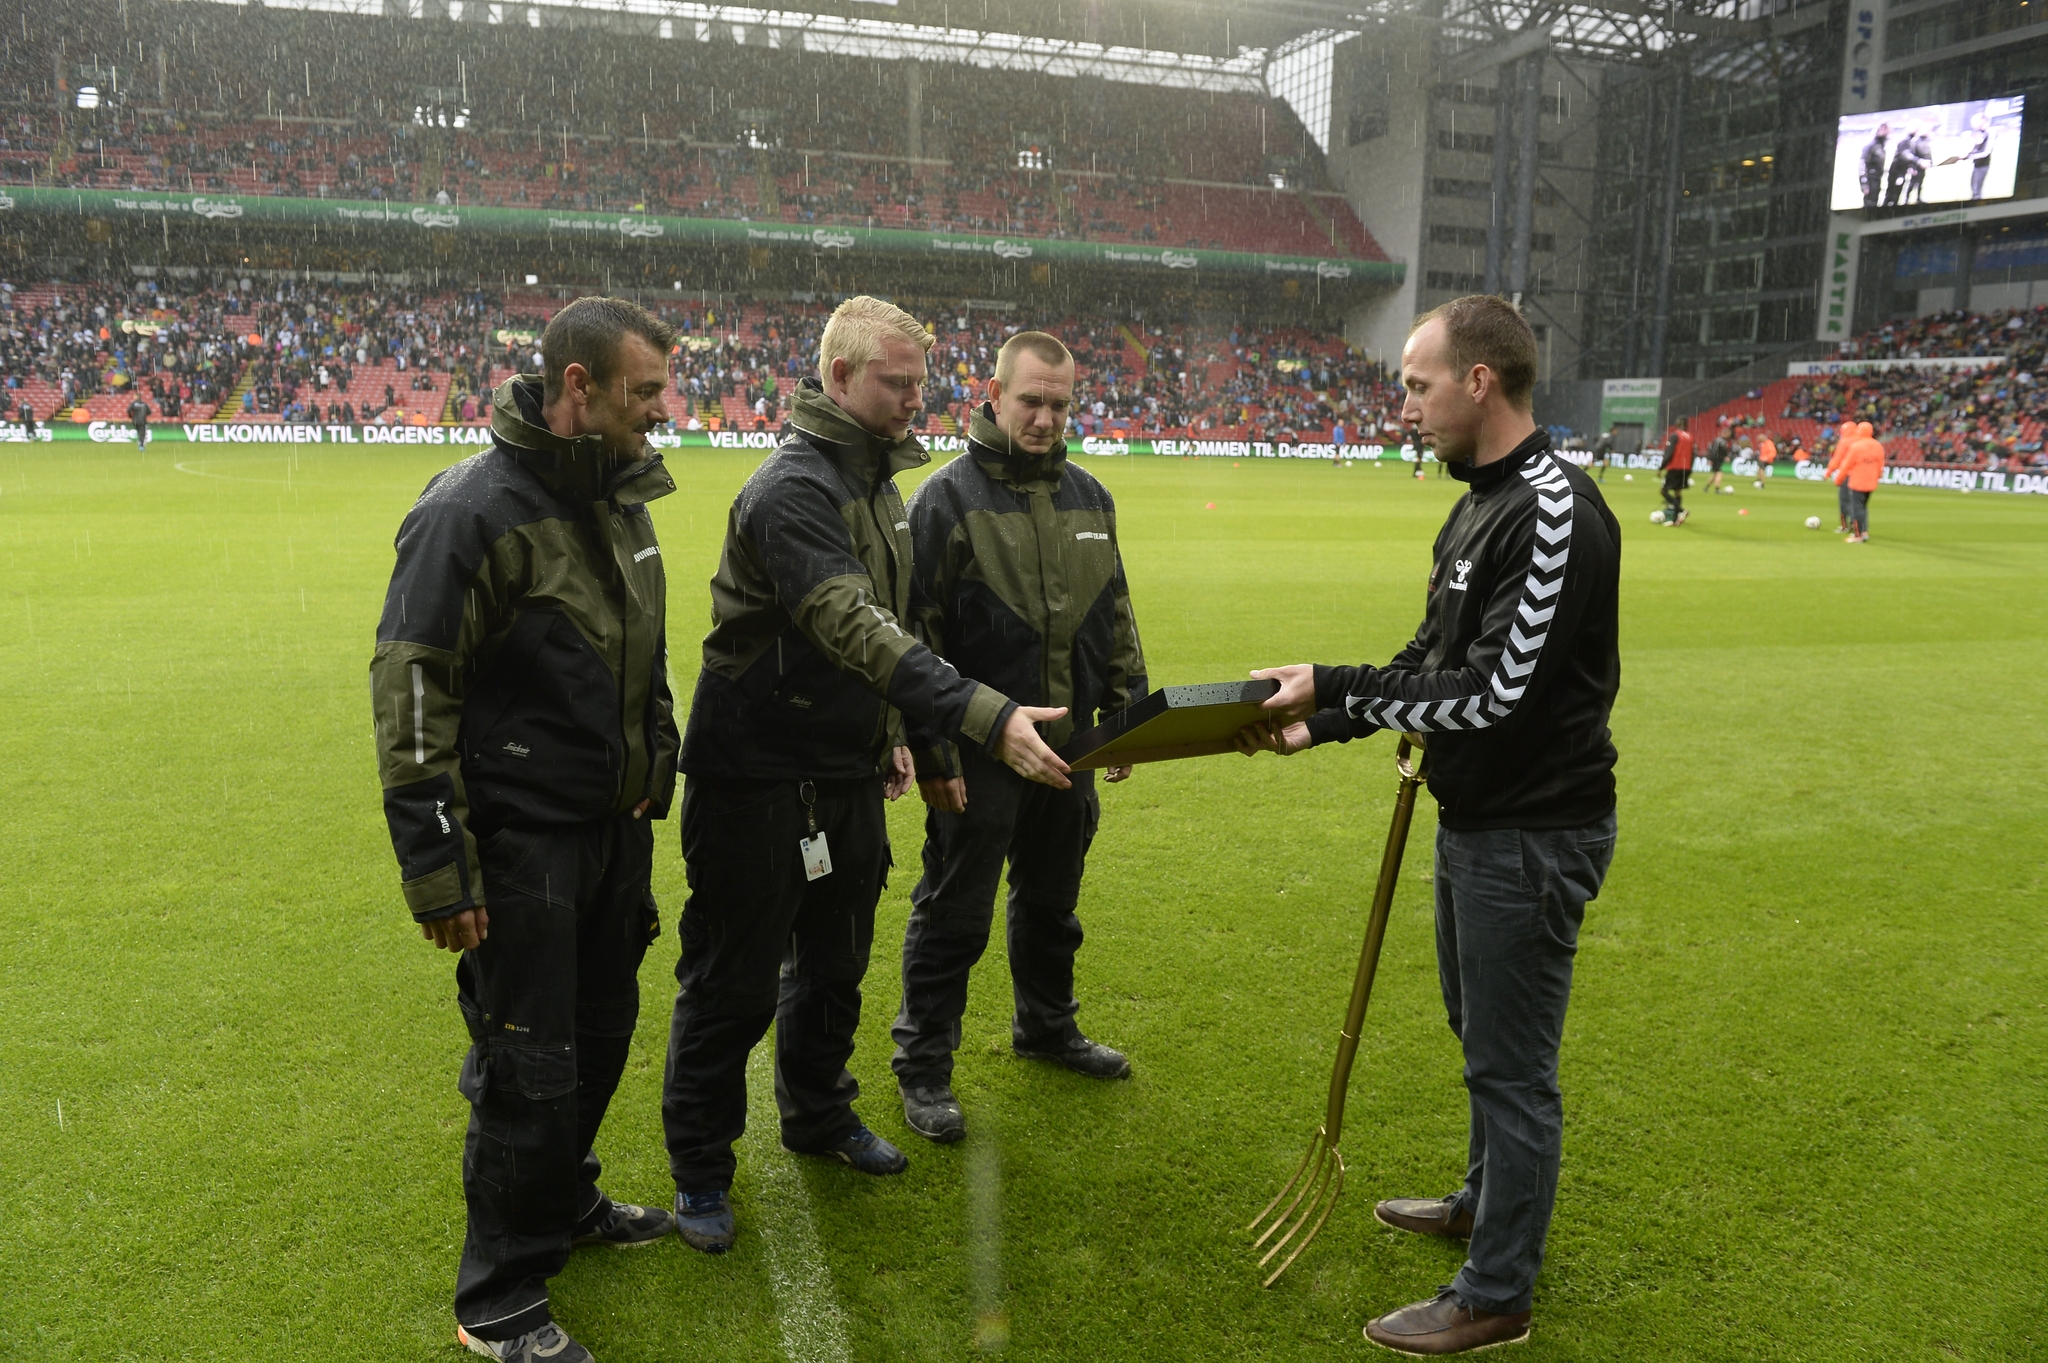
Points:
(1805, 1066)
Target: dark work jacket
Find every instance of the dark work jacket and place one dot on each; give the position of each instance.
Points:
(1514, 671)
(808, 662)
(521, 671)
(1019, 583)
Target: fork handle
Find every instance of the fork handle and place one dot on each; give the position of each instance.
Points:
(1412, 774)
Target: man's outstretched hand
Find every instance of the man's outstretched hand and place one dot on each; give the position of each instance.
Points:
(458, 932)
(1025, 753)
(1296, 698)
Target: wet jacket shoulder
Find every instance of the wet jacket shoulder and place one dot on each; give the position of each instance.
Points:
(808, 662)
(520, 677)
(1019, 583)
(1514, 671)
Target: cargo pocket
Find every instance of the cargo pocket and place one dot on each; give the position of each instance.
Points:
(509, 1088)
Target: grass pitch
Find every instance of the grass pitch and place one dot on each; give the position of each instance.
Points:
(1804, 1066)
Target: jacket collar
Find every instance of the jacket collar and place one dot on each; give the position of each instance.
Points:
(861, 453)
(993, 449)
(1490, 476)
(576, 467)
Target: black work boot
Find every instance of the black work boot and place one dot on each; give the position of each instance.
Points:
(934, 1113)
(1082, 1056)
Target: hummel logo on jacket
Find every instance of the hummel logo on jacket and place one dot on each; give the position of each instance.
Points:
(1514, 671)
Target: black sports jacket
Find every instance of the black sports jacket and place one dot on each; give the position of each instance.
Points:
(1515, 668)
(1018, 583)
(521, 671)
(806, 665)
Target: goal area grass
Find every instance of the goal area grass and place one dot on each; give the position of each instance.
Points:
(1805, 1067)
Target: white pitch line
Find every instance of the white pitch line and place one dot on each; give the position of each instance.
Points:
(806, 1310)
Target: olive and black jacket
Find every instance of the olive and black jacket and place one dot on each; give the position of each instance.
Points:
(1019, 584)
(807, 664)
(1515, 668)
(521, 671)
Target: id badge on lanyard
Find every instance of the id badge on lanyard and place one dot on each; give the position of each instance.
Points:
(816, 852)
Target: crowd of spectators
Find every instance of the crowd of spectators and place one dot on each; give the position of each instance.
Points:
(299, 350)
(717, 131)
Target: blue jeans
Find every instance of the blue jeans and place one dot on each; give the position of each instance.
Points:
(1508, 907)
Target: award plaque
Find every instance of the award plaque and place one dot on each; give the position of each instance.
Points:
(1174, 721)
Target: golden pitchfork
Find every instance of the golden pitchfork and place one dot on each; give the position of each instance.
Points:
(1319, 1178)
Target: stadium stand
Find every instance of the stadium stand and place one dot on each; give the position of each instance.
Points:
(1988, 418)
(308, 352)
(739, 132)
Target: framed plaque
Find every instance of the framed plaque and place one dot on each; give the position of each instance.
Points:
(1174, 721)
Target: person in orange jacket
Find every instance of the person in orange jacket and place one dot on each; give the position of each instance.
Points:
(1861, 471)
(1766, 458)
(1846, 435)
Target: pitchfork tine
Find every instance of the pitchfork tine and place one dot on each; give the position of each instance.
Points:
(1319, 1150)
(1319, 1179)
(1314, 1145)
(1329, 1205)
(1329, 1175)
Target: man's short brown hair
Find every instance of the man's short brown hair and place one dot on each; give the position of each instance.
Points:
(1042, 344)
(1484, 329)
(588, 332)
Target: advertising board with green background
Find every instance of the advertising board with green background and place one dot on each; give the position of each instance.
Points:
(395, 218)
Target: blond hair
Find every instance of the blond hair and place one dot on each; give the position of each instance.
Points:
(857, 330)
(1043, 344)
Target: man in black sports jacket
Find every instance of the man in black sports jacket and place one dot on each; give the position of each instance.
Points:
(1510, 679)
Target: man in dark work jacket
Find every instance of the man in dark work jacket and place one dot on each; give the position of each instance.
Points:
(1511, 679)
(1019, 584)
(795, 735)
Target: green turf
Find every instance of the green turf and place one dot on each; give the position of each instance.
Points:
(1805, 1066)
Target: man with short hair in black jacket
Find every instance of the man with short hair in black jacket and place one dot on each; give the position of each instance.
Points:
(1511, 679)
(795, 737)
(1018, 583)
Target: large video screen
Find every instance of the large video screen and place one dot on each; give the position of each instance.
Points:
(1935, 154)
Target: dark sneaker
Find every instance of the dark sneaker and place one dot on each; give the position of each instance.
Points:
(864, 1151)
(1082, 1056)
(1426, 1216)
(1445, 1325)
(934, 1113)
(546, 1345)
(704, 1220)
(623, 1225)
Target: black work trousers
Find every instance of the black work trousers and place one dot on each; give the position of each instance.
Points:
(761, 944)
(550, 998)
(1044, 834)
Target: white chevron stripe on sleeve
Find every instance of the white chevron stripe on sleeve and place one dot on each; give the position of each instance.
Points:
(1556, 506)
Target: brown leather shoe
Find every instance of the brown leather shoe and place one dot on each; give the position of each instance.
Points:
(1445, 1325)
(1426, 1216)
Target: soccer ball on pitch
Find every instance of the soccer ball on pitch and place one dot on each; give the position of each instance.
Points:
(1656, 518)
(1813, 522)
(1628, 477)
